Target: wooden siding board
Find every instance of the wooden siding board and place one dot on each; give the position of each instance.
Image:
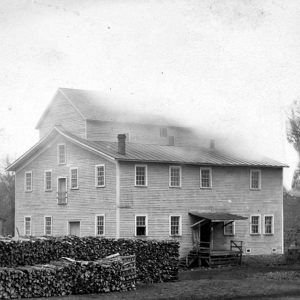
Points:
(229, 183)
(83, 203)
(61, 112)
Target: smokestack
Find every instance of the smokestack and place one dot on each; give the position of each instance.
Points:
(121, 144)
(212, 145)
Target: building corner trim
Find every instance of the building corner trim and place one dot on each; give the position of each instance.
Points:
(117, 200)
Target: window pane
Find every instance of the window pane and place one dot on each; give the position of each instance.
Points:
(268, 224)
(100, 225)
(175, 176)
(48, 180)
(141, 225)
(255, 178)
(28, 180)
(205, 178)
(254, 224)
(48, 225)
(175, 225)
(27, 226)
(74, 178)
(100, 176)
(228, 229)
(140, 178)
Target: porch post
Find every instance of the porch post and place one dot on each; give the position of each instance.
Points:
(211, 236)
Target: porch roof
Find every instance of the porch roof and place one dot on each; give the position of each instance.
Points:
(217, 216)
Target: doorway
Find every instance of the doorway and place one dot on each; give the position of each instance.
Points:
(74, 228)
(62, 190)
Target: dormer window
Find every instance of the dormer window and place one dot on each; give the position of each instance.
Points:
(61, 154)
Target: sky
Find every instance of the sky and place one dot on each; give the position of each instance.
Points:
(228, 68)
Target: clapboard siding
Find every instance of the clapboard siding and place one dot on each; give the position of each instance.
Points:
(83, 203)
(230, 193)
(61, 112)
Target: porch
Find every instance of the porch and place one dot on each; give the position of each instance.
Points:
(211, 246)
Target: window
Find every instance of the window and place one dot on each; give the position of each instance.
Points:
(175, 225)
(61, 152)
(62, 194)
(28, 181)
(268, 224)
(100, 176)
(100, 225)
(163, 132)
(140, 175)
(255, 179)
(27, 225)
(229, 228)
(48, 180)
(205, 178)
(141, 226)
(255, 224)
(175, 176)
(48, 225)
(74, 178)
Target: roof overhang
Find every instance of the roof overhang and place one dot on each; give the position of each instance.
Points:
(37, 148)
(216, 216)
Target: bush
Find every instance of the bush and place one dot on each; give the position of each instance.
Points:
(156, 261)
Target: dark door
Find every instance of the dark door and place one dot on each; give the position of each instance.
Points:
(205, 232)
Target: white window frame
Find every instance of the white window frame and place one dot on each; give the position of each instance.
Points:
(45, 225)
(58, 156)
(76, 187)
(180, 177)
(210, 178)
(233, 228)
(259, 224)
(180, 225)
(146, 223)
(96, 175)
(25, 226)
(146, 175)
(96, 224)
(264, 224)
(25, 183)
(45, 182)
(259, 181)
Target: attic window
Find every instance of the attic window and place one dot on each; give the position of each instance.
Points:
(61, 154)
(163, 132)
(255, 179)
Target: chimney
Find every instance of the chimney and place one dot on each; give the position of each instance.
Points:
(121, 144)
(212, 145)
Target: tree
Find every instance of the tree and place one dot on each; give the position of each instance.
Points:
(7, 199)
(293, 136)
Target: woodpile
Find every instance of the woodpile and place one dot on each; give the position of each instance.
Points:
(68, 276)
(156, 261)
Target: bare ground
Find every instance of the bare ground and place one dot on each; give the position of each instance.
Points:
(280, 282)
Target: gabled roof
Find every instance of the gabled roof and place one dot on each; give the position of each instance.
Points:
(150, 153)
(94, 106)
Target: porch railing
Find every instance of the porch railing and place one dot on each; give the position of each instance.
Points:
(236, 246)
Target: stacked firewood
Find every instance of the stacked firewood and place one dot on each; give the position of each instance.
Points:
(156, 261)
(68, 276)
